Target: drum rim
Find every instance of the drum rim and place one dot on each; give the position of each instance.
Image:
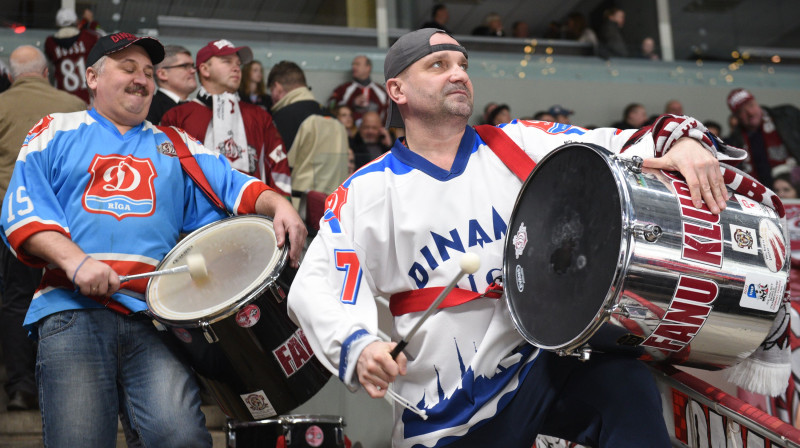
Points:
(311, 418)
(618, 171)
(283, 257)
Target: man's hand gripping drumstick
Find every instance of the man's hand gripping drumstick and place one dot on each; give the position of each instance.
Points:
(381, 362)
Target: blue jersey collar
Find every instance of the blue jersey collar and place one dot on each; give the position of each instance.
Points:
(414, 160)
(107, 124)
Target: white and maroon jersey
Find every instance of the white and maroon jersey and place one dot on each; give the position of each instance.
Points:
(123, 199)
(401, 224)
(68, 55)
(361, 98)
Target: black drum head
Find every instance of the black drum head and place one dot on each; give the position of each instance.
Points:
(563, 246)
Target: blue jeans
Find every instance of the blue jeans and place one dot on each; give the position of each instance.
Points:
(93, 363)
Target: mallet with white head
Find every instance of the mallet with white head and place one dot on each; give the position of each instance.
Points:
(195, 266)
(469, 264)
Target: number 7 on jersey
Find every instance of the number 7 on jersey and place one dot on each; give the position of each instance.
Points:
(347, 261)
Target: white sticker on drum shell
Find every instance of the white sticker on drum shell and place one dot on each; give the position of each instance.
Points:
(743, 239)
(750, 206)
(258, 405)
(763, 292)
(520, 276)
(520, 240)
(773, 246)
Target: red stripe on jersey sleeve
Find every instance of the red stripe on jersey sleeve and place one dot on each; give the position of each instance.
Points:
(251, 193)
(18, 237)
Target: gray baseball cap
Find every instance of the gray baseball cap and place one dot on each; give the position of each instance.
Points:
(409, 49)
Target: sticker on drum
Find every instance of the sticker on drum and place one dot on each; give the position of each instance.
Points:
(258, 405)
(520, 241)
(763, 292)
(182, 334)
(314, 436)
(743, 239)
(773, 246)
(248, 316)
(520, 274)
(750, 206)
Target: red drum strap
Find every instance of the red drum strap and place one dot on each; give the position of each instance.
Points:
(191, 167)
(420, 299)
(519, 162)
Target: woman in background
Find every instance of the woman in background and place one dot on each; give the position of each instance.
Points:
(252, 89)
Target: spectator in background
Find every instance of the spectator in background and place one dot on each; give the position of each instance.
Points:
(487, 109)
(520, 29)
(242, 132)
(30, 98)
(500, 114)
(578, 29)
(316, 143)
(439, 18)
(175, 77)
(783, 184)
(361, 94)
(5, 77)
(674, 107)
(770, 135)
(544, 115)
(345, 116)
(252, 90)
(88, 23)
(648, 49)
(492, 26)
(633, 117)
(372, 141)
(713, 127)
(67, 50)
(560, 114)
(553, 30)
(613, 43)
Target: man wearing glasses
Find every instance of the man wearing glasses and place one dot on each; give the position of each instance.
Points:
(176, 80)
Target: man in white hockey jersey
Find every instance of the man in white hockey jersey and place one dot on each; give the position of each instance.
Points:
(397, 227)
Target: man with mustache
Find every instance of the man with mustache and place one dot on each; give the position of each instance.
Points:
(396, 229)
(96, 195)
(243, 132)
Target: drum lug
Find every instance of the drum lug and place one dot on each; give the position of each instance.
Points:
(583, 354)
(650, 232)
(277, 292)
(208, 332)
(634, 164)
(629, 311)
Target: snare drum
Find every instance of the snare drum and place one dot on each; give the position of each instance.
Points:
(233, 324)
(603, 255)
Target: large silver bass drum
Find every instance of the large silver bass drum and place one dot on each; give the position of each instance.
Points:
(602, 255)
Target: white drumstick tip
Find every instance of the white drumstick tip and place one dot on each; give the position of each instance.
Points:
(197, 266)
(470, 263)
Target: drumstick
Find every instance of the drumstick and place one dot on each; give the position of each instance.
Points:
(195, 266)
(469, 264)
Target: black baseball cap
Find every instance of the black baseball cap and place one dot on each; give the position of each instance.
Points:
(112, 43)
(409, 49)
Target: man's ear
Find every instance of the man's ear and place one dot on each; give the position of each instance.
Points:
(91, 78)
(202, 70)
(395, 88)
(161, 75)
